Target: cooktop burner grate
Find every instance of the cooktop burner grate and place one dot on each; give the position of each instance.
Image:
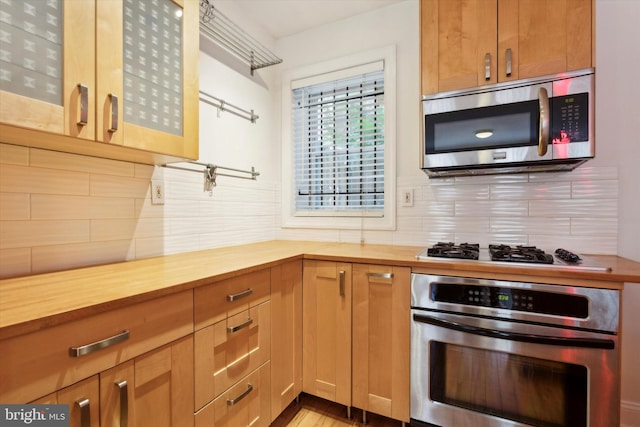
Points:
(451, 250)
(528, 254)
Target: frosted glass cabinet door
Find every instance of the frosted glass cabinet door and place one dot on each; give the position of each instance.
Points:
(47, 65)
(153, 64)
(154, 61)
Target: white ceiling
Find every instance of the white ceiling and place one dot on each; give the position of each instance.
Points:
(281, 18)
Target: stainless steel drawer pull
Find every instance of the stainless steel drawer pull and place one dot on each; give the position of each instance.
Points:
(84, 104)
(98, 345)
(381, 275)
(85, 412)
(114, 113)
(237, 296)
(508, 56)
(236, 328)
(231, 402)
(124, 402)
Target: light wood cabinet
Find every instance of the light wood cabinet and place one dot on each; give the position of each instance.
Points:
(244, 404)
(155, 389)
(117, 395)
(381, 334)
(232, 345)
(83, 399)
(286, 335)
(467, 43)
(229, 350)
(38, 363)
(326, 343)
(164, 386)
(120, 73)
(53, 51)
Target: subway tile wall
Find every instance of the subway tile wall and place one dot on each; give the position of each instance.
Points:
(577, 210)
(60, 211)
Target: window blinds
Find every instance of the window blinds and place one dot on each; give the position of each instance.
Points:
(338, 133)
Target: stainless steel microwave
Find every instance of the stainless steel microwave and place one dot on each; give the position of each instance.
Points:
(534, 125)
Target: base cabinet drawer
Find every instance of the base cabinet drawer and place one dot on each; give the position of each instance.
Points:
(152, 390)
(39, 363)
(229, 350)
(245, 404)
(217, 301)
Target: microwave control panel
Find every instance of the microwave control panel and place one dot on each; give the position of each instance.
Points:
(570, 118)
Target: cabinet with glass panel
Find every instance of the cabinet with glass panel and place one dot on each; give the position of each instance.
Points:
(118, 72)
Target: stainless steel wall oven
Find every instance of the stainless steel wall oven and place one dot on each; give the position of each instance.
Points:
(488, 353)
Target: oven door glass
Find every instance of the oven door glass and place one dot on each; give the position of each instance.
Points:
(499, 126)
(523, 389)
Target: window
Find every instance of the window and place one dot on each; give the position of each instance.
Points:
(339, 143)
(338, 135)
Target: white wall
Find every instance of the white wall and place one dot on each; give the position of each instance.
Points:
(618, 65)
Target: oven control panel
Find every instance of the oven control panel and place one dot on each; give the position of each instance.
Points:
(512, 299)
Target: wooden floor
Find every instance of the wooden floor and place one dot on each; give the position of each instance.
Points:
(312, 411)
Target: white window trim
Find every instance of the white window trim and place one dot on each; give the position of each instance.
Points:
(388, 220)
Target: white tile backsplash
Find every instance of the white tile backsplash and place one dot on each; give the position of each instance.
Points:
(601, 208)
(594, 189)
(62, 211)
(577, 210)
(491, 208)
(531, 191)
(531, 225)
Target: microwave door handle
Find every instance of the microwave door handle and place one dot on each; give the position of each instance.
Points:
(515, 336)
(543, 132)
(487, 66)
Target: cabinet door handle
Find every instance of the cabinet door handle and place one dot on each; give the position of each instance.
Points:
(124, 402)
(380, 275)
(508, 59)
(98, 345)
(236, 328)
(84, 104)
(342, 274)
(237, 296)
(231, 402)
(543, 132)
(114, 113)
(85, 412)
(487, 66)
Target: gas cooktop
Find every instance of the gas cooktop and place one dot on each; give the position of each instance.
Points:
(499, 253)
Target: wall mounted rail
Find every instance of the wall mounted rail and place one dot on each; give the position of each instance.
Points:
(223, 105)
(221, 30)
(211, 173)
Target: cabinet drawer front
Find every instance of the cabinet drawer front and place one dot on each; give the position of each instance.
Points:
(41, 362)
(229, 350)
(244, 404)
(216, 302)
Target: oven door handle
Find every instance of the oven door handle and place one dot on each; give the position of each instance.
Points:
(515, 336)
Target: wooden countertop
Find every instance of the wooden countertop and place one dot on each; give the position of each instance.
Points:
(35, 302)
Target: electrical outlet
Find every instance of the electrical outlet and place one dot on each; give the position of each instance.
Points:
(157, 192)
(407, 197)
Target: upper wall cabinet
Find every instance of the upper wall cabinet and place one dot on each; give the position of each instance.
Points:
(467, 43)
(124, 73)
